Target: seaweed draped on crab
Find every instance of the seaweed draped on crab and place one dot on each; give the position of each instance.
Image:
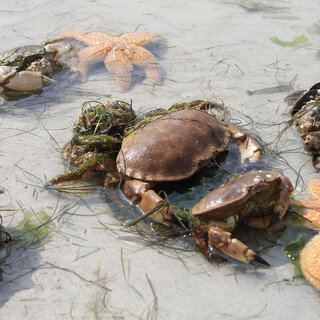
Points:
(96, 141)
(172, 145)
(27, 69)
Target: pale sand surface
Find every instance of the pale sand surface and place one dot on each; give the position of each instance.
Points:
(209, 48)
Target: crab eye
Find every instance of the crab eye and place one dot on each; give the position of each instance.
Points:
(18, 58)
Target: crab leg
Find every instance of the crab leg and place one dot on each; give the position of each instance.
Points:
(139, 192)
(102, 140)
(85, 169)
(249, 148)
(234, 248)
(281, 206)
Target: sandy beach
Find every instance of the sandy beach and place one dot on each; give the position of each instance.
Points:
(90, 266)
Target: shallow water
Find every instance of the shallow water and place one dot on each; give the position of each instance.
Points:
(91, 267)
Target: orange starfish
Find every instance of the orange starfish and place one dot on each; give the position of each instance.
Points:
(310, 254)
(309, 261)
(118, 53)
(311, 208)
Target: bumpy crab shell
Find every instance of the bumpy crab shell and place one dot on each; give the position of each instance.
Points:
(306, 116)
(172, 147)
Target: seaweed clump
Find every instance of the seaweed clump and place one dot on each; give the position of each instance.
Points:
(97, 136)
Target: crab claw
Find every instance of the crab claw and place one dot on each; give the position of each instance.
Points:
(234, 248)
(6, 73)
(28, 81)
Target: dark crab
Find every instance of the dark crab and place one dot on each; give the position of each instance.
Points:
(259, 199)
(306, 116)
(172, 145)
(4, 235)
(26, 70)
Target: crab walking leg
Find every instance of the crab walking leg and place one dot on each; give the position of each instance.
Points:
(85, 169)
(282, 204)
(271, 216)
(102, 140)
(249, 148)
(139, 192)
(234, 248)
(63, 50)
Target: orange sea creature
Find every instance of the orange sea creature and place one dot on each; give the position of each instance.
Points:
(311, 211)
(314, 187)
(119, 54)
(310, 261)
(310, 254)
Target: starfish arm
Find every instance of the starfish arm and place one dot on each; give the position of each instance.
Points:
(139, 38)
(88, 38)
(120, 66)
(88, 56)
(145, 60)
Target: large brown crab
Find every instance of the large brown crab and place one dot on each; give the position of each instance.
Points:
(173, 145)
(306, 116)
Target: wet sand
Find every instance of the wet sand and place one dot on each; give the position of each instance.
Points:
(91, 267)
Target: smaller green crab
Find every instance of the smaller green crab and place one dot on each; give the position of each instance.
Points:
(96, 141)
(26, 70)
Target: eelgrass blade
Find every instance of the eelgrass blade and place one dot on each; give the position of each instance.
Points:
(147, 214)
